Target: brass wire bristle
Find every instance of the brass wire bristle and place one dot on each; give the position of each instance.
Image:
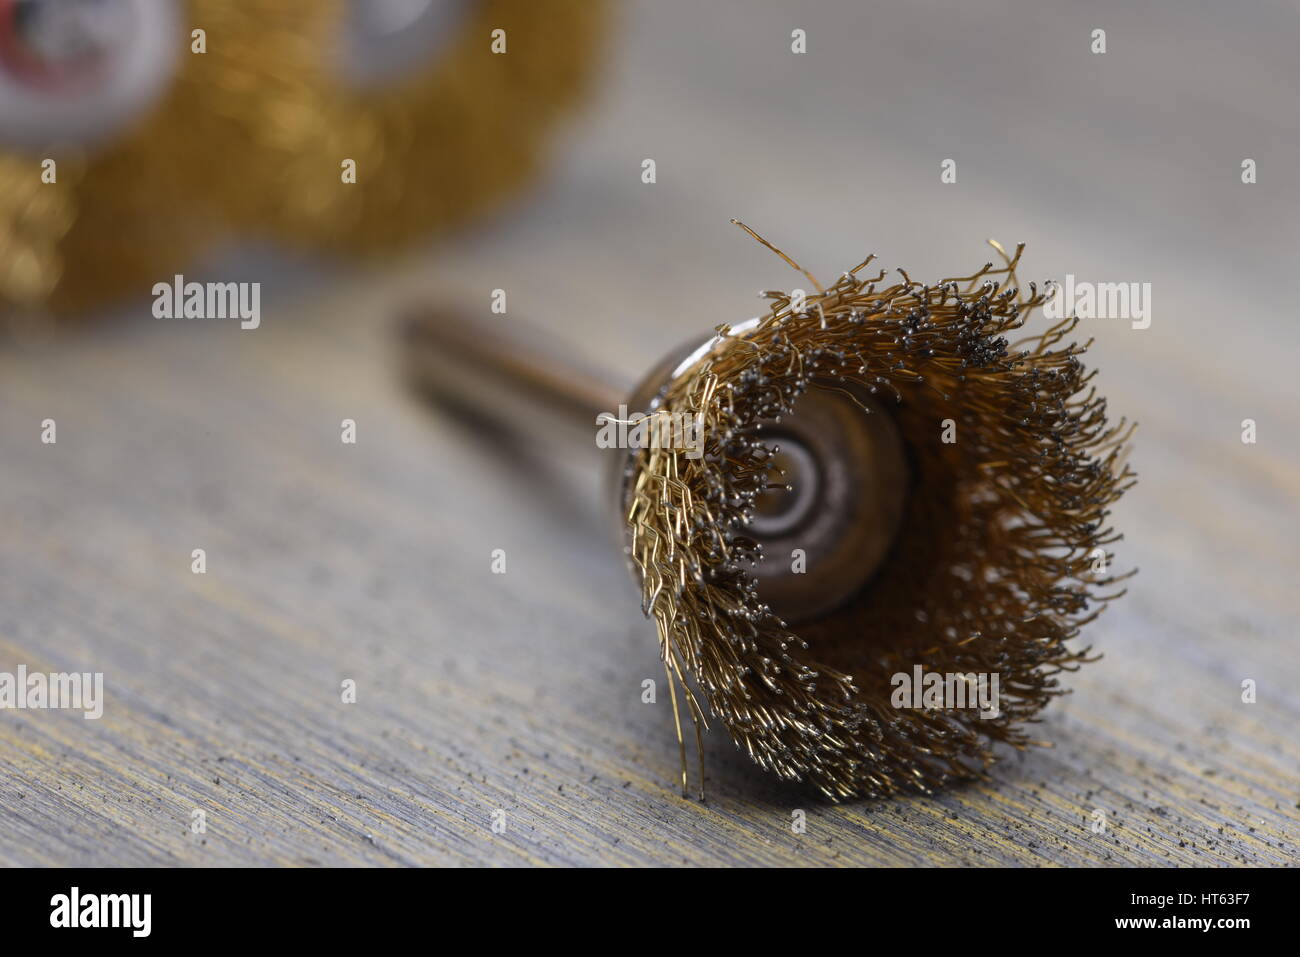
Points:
(991, 572)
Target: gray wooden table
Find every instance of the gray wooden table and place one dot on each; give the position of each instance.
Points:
(519, 693)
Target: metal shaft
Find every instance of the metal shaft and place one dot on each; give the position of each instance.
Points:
(504, 366)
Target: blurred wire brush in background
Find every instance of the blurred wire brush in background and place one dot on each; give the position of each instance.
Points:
(385, 122)
(112, 160)
(135, 132)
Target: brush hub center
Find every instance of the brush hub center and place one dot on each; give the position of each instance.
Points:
(782, 511)
(825, 539)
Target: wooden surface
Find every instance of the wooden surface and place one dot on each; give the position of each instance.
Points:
(521, 692)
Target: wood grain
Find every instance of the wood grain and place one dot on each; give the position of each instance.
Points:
(522, 692)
